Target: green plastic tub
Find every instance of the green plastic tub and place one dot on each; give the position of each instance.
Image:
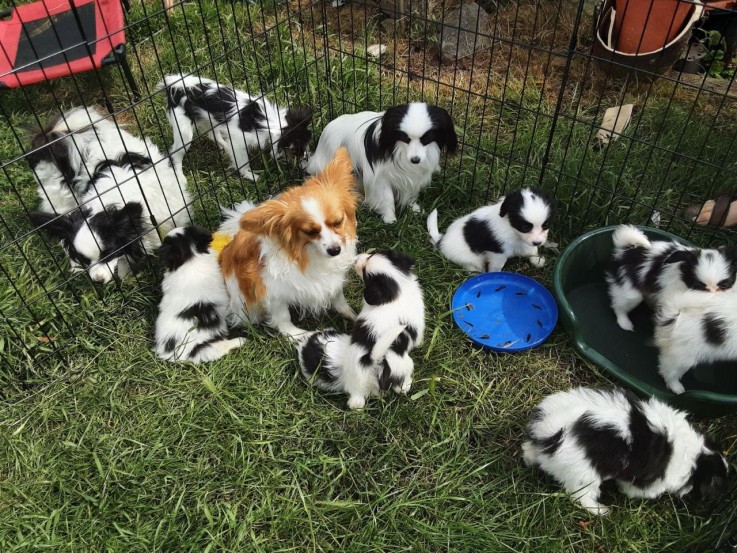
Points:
(631, 357)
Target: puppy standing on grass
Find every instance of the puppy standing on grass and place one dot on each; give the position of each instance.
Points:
(375, 357)
(394, 152)
(237, 122)
(584, 437)
(641, 270)
(693, 328)
(482, 241)
(191, 325)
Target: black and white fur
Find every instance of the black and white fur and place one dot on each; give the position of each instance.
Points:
(65, 153)
(236, 121)
(114, 223)
(584, 437)
(693, 328)
(327, 360)
(482, 241)
(392, 296)
(191, 325)
(640, 270)
(394, 152)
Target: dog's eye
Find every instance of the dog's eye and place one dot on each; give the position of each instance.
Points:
(525, 227)
(403, 138)
(545, 225)
(337, 223)
(724, 284)
(312, 232)
(427, 138)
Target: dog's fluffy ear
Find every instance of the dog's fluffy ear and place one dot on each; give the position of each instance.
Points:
(730, 253)
(680, 256)
(268, 218)
(61, 227)
(442, 121)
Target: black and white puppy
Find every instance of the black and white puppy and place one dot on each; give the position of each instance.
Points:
(392, 296)
(482, 241)
(640, 270)
(114, 223)
(66, 151)
(394, 153)
(236, 121)
(327, 360)
(584, 437)
(191, 325)
(693, 328)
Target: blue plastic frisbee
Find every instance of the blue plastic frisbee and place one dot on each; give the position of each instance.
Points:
(504, 311)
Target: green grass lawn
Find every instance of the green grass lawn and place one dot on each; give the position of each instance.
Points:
(107, 448)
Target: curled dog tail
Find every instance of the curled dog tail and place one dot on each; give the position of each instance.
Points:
(232, 217)
(384, 343)
(629, 236)
(432, 227)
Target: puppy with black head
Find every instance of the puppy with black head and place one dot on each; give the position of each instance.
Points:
(641, 270)
(114, 224)
(394, 153)
(235, 120)
(584, 437)
(483, 241)
(191, 325)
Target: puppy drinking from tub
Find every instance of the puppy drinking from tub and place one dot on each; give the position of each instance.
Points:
(482, 241)
(375, 357)
(584, 437)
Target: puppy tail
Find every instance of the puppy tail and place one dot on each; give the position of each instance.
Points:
(432, 227)
(629, 236)
(231, 221)
(382, 345)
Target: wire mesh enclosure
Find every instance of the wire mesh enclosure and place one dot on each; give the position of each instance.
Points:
(527, 83)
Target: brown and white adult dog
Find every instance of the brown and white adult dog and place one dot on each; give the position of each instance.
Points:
(294, 250)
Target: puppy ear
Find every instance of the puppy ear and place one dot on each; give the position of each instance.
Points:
(730, 254)
(174, 252)
(125, 227)
(680, 256)
(504, 209)
(442, 120)
(401, 261)
(61, 227)
(385, 378)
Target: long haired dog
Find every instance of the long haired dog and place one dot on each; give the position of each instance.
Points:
(392, 297)
(483, 240)
(191, 325)
(114, 224)
(640, 270)
(584, 437)
(237, 122)
(693, 328)
(294, 251)
(66, 151)
(394, 152)
(327, 360)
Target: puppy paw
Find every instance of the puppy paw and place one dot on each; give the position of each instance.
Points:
(675, 386)
(624, 323)
(415, 207)
(348, 313)
(389, 219)
(249, 175)
(356, 402)
(537, 261)
(597, 509)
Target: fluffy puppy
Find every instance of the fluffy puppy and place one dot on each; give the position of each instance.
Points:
(640, 270)
(129, 202)
(691, 329)
(294, 251)
(584, 437)
(327, 360)
(391, 297)
(191, 325)
(66, 151)
(237, 122)
(483, 240)
(394, 152)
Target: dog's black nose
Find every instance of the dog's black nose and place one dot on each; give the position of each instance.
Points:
(335, 250)
(415, 159)
(537, 243)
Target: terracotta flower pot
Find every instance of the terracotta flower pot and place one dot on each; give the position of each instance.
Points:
(647, 25)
